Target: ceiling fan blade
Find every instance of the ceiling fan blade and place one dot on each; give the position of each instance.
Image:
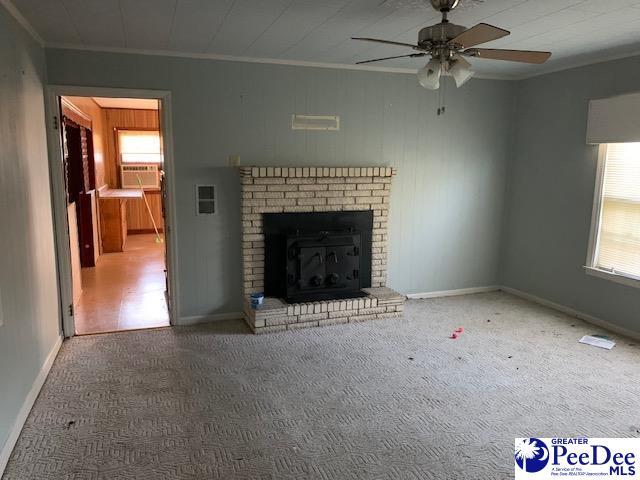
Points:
(388, 42)
(522, 56)
(412, 55)
(481, 33)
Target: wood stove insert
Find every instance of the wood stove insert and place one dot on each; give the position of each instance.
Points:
(317, 255)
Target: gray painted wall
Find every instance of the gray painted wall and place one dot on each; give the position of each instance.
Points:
(446, 216)
(551, 184)
(29, 300)
(446, 212)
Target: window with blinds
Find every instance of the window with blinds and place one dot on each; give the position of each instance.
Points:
(618, 245)
(139, 146)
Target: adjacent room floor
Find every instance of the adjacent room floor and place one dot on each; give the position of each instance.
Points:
(387, 399)
(125, 291)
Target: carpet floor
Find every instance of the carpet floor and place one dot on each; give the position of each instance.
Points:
(387, 399)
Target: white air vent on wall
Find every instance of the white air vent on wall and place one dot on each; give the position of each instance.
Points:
(149, 176)
(315, 122)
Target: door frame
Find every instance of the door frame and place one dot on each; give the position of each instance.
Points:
(59, 201)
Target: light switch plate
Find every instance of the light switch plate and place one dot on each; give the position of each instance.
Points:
(234, 160)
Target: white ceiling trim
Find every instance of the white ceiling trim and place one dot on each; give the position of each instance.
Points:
(584, 63)
(568, 65)
(15, 13)
(273, 61)
(228, 58)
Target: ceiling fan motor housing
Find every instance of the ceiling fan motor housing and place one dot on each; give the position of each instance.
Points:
(439, 33)
(444, 5)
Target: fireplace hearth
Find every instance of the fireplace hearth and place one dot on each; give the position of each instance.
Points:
(318, 255)
(314, 241)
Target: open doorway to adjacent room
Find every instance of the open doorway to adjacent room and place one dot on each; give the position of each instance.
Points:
(114, 179)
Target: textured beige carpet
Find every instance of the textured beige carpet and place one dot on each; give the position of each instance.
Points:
(389, 399)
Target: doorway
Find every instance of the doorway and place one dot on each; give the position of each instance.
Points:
(114, 252)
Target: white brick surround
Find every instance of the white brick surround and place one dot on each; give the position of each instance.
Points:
(276, 315)
(311, 189)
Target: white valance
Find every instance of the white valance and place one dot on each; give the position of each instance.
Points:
(614, 120)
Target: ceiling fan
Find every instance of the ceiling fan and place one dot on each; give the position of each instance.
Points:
(447, 44)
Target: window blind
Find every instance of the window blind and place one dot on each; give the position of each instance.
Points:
(139, 146)
(619, 240)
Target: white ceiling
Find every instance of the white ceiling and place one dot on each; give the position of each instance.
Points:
(130, 103)
(576, 31)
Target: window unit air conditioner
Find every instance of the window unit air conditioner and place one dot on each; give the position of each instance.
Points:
(149, 176)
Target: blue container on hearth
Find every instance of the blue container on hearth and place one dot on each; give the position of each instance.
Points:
(256, 299)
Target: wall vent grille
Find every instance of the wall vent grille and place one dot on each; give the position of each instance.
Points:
(315, 122)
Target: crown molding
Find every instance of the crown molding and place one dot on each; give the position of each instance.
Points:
(230, 58)
(569, 65)
(15, 13)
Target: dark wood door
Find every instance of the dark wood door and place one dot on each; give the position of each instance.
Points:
(73, 160)
(89, 163)
(85, 229)
(80, 177)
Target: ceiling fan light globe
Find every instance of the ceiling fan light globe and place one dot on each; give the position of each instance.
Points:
(461, 71)
(429, 75)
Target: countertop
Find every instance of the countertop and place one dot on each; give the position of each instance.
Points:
(120, 193)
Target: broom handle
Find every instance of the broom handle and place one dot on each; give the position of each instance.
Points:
(146, 202)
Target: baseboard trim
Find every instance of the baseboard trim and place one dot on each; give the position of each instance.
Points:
(573, 312)
(217, 317)
(535, 299)
(453, 293)
(27, 405)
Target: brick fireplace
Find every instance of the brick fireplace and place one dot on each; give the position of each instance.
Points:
(313, 190)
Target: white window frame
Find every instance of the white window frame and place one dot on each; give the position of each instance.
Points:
(594, 235)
